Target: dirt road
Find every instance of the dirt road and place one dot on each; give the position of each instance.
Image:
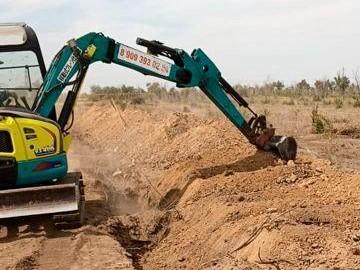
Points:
(173, 191)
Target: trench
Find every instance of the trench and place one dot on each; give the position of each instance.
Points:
(135, 222)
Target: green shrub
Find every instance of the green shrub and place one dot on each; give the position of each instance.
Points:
(339, 103)
(356, 103)
(316, 98)
(320, 123)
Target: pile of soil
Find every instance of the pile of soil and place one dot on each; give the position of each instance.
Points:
(225, 204)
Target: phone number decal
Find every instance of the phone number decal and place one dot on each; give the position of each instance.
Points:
(144, 60)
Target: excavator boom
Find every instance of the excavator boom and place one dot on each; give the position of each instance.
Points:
(194, 70)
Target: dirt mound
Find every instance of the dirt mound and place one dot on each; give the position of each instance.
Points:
(228, 205)
(252, 217)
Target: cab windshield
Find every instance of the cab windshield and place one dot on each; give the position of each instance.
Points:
(20, 79)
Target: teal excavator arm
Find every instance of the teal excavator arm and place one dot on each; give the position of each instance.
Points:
(195, 70)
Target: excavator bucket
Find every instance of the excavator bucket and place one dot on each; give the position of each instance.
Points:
(63, 200)
(264, 138)
(285, 147)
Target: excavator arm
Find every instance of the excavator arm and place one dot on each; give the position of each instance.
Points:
(70, 65)
(34, 177)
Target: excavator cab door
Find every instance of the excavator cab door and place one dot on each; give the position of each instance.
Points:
(22, 67)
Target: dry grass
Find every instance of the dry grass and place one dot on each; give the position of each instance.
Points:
(290, 115)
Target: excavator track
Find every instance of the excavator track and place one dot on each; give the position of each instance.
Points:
(73, 219)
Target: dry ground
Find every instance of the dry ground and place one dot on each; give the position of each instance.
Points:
(174, 190)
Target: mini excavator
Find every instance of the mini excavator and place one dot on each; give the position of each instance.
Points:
(34, 139)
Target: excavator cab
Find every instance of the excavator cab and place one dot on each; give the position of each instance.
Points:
(31, 146)
(22, 66)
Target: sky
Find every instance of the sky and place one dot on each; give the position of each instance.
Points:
(251, 41)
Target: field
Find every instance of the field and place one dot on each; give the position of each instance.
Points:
(173, 185)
